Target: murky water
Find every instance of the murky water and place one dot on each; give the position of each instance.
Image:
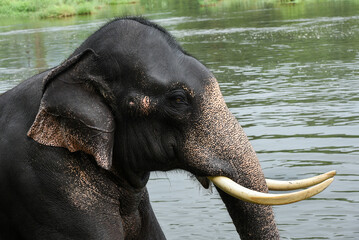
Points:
(289, 72)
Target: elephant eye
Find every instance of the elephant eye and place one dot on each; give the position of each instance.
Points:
(178, 98)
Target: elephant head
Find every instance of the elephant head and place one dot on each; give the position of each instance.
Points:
(136, 102)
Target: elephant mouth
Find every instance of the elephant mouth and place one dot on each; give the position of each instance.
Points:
(314, 186)
(204, 181)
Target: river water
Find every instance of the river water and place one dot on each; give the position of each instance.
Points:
(289, 73)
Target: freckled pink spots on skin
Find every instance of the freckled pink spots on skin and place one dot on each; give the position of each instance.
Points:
(190, 91)
(85, 189)
(146, 105)
(146, 102)
(49, 130)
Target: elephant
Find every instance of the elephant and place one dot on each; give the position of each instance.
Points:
(78, 142)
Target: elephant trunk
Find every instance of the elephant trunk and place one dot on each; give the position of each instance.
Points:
(216, 145)
(252, 221)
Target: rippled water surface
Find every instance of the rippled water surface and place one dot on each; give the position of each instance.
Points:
(289, 73)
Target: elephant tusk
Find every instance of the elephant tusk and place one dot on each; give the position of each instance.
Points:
(297, 184)
(245, 194)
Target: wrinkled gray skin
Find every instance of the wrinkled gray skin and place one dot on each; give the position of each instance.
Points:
(78, 142)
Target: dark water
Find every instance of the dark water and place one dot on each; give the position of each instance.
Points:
(289, 72)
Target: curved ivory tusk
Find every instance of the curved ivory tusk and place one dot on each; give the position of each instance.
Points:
(245, 194)
(297, 184)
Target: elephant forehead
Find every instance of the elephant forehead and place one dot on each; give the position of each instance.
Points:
(180, 71)
(149, 55)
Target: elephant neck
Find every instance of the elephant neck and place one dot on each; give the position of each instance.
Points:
(137, 180)
(128, 179)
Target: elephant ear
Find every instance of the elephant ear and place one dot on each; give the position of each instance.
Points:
(73, 112)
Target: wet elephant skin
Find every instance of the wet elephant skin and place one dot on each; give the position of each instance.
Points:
(78, 141)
